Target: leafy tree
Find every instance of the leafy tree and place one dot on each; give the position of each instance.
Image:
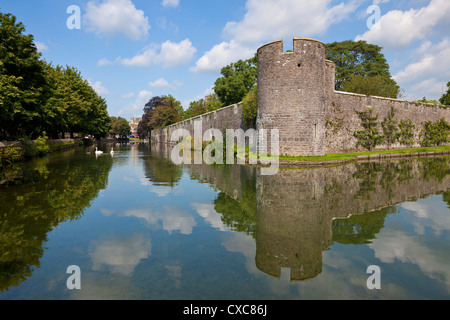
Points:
(436, 133)
(120, 126)
(406, 132)
(249, 107)
(445, 99)
(358, 58)
(368, 138)
(196, 108)
(390, 129)
(22, 79)
(236, 81)
(372, 86)
(160, 112)
(212, 102)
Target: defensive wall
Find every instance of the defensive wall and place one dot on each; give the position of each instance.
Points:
(297, 96)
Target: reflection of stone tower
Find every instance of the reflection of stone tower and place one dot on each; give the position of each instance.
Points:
(292, 95)
(290, 225)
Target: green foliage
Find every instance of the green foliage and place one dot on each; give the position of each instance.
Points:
(372, 86)
(390, 129)
(38, 147)
(10, 155)
(406, 132)
(368, 138)
(120, 126)
(445, 99)
(358, 58)
(160, 112)
(236, 81)
(250, 107)
(435, 133)
(196, 108)
(36, 96)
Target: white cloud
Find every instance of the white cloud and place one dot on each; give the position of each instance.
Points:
(270, 19)
(111, 17)
(267, 20)
(103, 62)
(400, 28)
(128, 95)
(163, 83)
(40, 46)
(429, 69)
(169, 55)
(136, 107)
(221, 55)
(99, 88)
(171, 3)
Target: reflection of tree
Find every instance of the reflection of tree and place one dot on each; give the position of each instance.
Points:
(239, 215)
(162, 171)
(360, 229)
(51, 191)
(435, 168)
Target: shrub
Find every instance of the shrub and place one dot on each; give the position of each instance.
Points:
(435, 133)
(10, 155)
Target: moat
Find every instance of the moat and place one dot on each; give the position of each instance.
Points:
(140, 227)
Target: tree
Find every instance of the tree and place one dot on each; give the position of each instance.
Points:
(372, 86)
(236, 81)
(250, 107)
(212, 102)
(445, 99)
(406, 132)
(358, 58)
(159, 112)
(368, 138)
(120, 126)
(390, 129)
(196, 108)
(435, 133)
(22, 79)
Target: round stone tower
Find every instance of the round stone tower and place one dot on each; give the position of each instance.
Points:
(292, 95)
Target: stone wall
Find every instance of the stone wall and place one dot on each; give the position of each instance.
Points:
(230, 117)
(296, 96)
(342, 120)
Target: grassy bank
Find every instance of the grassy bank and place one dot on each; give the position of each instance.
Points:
(353, 155)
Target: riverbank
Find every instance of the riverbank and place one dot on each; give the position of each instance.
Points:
(344, 158)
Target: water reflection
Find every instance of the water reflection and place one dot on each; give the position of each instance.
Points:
(157, 230)
(35, 204)
(297, 214)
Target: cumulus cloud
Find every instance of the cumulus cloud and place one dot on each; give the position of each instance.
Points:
(163, 83)
(111, 17)
(168, 55)
(40, 46)
(221, 55)
(137, 105)
(429, 69)
(267, 20)
(270, 19)
(99, 88)
(400, 28)
(171, 3)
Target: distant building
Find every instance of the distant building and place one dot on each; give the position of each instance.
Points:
(134, 122)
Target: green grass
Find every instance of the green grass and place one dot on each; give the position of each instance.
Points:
(353, 155)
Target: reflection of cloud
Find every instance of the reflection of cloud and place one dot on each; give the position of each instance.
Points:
(432, 259)
(161, 191)
(120, 255)
(428, 213)
(207, 211)
(173, 218)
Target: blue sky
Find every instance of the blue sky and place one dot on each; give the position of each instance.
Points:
(132, 50)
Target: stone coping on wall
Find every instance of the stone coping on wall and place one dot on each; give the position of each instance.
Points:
(203, 115)
(392, 99)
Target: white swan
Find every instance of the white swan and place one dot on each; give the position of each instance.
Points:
(112, 151)
(97, 152)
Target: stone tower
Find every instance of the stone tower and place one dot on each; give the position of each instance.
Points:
(292, 93)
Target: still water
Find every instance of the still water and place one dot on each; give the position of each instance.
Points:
(140, 227)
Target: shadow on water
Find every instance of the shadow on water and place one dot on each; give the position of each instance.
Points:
(298, 213)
